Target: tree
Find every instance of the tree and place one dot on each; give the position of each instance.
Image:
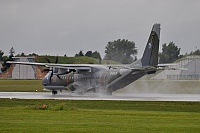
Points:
(1, 55)
(88, 54)
(12, 52)
(95, 54)
(5, 65)
(22, 54)
(80, 53)
(121, 51)
(33, 54)
(197, 52)
(170, 53)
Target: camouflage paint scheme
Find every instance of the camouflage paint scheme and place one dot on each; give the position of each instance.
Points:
(82, 78)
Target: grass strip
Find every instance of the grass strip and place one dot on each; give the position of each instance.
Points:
(21, 85)
(98, 116)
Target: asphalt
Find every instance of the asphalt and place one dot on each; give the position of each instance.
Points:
(92, 96)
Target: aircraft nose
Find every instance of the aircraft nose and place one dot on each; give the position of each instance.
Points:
(44, 81)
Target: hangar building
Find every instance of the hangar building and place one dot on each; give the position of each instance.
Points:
(24, 71)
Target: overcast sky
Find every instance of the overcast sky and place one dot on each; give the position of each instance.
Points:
(58, 27)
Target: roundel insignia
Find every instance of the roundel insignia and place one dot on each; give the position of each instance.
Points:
(149, 45)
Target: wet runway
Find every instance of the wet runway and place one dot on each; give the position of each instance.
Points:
(92, 96)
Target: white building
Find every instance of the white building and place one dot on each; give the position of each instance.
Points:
(24, 71)
(191, 71)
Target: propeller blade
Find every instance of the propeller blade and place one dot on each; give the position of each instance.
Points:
(47, 59)
(56, 60)
(50, 76)
(59, 77)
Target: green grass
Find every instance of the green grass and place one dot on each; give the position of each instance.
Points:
(21, 85)
(92, 116)
(98, 116)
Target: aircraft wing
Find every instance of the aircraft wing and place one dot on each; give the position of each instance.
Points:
(52, 65)
(26, 63)
(168, 65)
(138, 69)
(144, 68)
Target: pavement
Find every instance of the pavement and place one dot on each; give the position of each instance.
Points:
(93, 96)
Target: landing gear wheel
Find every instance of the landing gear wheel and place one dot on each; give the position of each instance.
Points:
(54, 92)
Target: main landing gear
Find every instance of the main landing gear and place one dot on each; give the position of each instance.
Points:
(54, 92)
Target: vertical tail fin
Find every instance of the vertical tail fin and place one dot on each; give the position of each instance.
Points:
(150, 55)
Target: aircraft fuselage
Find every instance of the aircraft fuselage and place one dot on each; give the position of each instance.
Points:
(106, 80)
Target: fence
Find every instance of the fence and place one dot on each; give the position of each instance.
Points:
(188, 77)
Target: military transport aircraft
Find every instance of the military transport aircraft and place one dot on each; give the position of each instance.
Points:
(82, 78)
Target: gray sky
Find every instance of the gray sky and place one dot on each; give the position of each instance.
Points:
(58, 27)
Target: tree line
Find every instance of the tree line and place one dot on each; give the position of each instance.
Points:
(125, 52)
(4, 59)
(122, 51)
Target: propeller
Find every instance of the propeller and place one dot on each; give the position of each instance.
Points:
(54, 71)
(47, 59)
(56, 62)
(51, 69)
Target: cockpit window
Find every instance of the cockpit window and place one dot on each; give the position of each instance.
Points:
(48, 74)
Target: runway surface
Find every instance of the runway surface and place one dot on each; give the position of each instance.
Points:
(115, 96)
